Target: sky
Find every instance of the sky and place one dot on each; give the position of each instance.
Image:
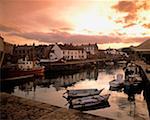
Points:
(109, 23)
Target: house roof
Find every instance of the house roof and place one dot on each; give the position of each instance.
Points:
(69, 47)
(90, 45)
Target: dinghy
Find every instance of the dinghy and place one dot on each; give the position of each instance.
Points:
(93, 107)
(82, 93)
(118, 82)
(88, 101)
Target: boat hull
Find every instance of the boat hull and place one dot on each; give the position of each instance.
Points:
(11, 73)
(72, 94)
(88, 101)
(116, 84)
(93, 107)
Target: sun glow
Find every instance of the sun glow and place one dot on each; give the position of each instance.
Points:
(92, 20)
(85, 21)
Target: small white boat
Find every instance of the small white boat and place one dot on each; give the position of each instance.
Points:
(122, 62)
(83, 92)
(109, 63)
(88, 101)
(117, 82)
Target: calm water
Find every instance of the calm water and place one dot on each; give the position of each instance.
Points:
(50, 90)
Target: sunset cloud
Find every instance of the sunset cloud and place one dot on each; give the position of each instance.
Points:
(4, 28)
(129, 25)
(132, 9)
(75, 21)
(128, 7)
(147, 26)
(64, 37)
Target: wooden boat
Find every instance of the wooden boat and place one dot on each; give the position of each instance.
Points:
(122, 62)
(88, 101)
(82, 92)
(93, 107)
(109, 63)
(118, 82)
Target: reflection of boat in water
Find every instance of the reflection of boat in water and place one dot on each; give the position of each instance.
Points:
(132, 87)
(101, 70)
(82, 93)
(88, 101)
(118, 82)
(119, 89)
(42, 82)
(66, 84)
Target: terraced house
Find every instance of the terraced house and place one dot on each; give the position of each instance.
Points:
(67, 52)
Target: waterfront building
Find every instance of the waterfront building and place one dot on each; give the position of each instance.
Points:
(21, 51)
(91, 48)
(6, 52)
(143, 50)
(115, 54)
(38, 52)
(67, 52)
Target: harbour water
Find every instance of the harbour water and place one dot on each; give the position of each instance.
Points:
(50, 89)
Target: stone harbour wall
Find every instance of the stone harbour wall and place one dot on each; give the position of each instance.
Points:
(17, 108)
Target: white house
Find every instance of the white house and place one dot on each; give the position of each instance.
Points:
(25, 64)
(55, 53)
(66, 52)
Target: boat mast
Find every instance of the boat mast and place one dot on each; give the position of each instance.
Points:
(33, 55)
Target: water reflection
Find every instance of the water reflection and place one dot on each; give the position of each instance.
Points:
(66, 81)
(50, 89)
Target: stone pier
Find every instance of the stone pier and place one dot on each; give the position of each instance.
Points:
(17, 108)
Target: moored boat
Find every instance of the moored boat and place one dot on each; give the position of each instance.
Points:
(118, 82)
(111, 63)
(32, 67)
(82, 93)
(88, 101)
(23, 68)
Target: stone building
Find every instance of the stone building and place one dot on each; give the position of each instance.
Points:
(6, 52)
(91, 48)
(32, 51)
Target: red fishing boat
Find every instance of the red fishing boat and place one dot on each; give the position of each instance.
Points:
(24, 68)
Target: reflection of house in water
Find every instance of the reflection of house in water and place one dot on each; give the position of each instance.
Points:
(59, 82)
(92, 74)
(70, 80)
(26, 87)
(128, 106)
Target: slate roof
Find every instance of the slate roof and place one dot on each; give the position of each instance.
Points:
(69, 47)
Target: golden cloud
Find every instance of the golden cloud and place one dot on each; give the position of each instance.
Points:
(132, 8)
(146, 25)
